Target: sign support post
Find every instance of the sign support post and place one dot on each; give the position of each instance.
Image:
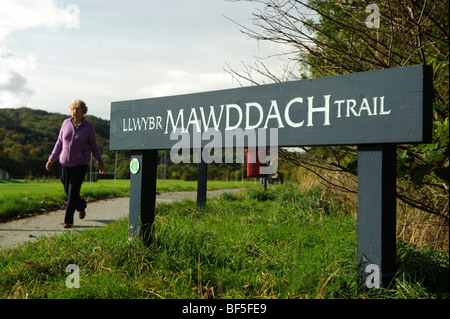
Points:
(376, 213)
(142, 194)
(201, 183)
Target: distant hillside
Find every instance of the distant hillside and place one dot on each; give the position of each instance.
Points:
(27, 138)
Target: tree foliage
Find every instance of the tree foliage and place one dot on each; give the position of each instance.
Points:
(342, 36)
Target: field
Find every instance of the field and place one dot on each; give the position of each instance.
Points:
(286, 242)
(22, 198)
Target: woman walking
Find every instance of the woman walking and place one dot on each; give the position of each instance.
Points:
(76, 142)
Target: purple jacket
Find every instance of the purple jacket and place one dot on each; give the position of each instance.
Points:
(74, 147)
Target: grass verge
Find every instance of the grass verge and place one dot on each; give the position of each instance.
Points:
(283, 243)
(29, 198)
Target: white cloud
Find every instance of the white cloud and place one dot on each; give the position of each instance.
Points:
(14, 89)
(9, 62)
(176, 82)
(21, 14)
(18, 15)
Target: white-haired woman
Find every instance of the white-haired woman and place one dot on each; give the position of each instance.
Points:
(76, 142)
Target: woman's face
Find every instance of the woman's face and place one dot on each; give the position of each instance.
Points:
(77, 113)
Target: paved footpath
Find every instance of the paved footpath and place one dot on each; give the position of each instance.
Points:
(98, 214)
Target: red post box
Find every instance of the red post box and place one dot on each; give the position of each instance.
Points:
(253, 163)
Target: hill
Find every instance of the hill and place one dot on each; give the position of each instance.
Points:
(27, 138)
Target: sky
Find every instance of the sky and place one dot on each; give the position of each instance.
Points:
(55, 51)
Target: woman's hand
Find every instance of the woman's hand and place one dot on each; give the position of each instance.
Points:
(48, 166)
(101, 169)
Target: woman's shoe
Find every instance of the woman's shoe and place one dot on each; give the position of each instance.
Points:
(68, 225)
(82, 214)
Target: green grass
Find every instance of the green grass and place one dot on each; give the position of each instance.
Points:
(283, 243)
(21, 198)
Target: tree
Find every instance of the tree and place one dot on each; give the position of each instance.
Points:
(337, 37)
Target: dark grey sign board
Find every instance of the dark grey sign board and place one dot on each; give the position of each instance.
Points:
(381, 106)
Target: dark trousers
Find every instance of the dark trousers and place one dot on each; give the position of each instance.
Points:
(72, 178)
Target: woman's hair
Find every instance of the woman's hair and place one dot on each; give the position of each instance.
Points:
(79, 103)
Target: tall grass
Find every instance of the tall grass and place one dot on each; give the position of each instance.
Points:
(414, 226)
(282, 243)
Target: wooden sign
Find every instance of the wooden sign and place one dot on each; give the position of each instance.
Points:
(382, 106)
(375, 110)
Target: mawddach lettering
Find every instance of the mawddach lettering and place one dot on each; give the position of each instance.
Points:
(296, 113)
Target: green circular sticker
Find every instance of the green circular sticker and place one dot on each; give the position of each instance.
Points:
(134, 166)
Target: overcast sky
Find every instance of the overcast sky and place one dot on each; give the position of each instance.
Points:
(55, 51)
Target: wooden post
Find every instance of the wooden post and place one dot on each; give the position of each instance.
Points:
(142, 194)
(202, 183)
(377, 213)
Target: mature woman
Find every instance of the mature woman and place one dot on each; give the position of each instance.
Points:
(76, 142)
